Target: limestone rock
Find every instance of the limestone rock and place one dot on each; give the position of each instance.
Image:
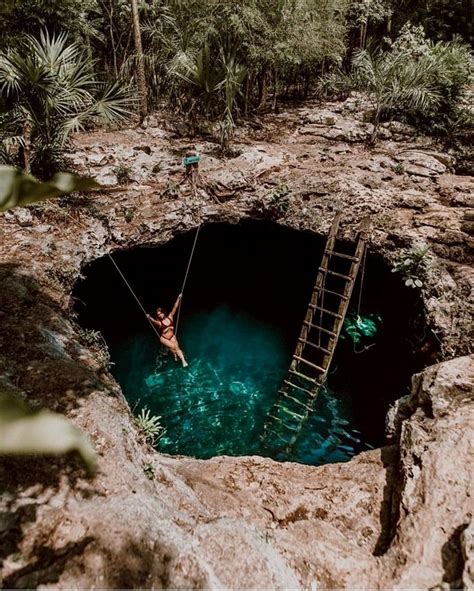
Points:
(343, 130)
(396, 517)
(97, 159)
(399, 129)
(436, 478)
(420, 163)
(467, 548)
(323, 117)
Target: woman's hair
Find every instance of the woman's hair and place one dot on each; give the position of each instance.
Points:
(161, 311)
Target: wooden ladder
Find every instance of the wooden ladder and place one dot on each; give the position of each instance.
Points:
(316, 344)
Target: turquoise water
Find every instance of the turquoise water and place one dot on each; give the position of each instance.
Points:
(217, 406)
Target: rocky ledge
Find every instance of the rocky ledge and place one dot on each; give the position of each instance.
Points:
(397, 517)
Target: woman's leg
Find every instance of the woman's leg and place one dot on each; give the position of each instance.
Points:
(168, 343)
(172, 345)
(180, 354)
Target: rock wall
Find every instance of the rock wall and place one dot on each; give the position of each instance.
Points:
(398, 517)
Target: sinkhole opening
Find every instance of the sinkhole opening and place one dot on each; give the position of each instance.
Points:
(244, 303)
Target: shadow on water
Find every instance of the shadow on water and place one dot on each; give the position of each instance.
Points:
(244, 303)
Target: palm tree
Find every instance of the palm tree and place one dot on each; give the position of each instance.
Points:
(234, 74)
(48, 90)
(396, 81)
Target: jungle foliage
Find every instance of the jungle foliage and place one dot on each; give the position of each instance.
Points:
(210, 62)
(49, 90)
(416, 79)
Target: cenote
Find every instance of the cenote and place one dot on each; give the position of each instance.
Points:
(243, 306)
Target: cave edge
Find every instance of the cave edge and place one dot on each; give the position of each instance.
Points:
(267, 270)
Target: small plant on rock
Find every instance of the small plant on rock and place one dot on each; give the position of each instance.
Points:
(123, 173)
(279, 201)
(171, 190)
(274, 205)
(149, 471)
(399, 168)
(414, 265)
(94, 341)
(149, 426)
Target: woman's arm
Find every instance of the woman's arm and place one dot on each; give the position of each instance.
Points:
(175, 307)
(157, 323)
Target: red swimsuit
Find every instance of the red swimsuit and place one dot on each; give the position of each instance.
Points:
(164, 328)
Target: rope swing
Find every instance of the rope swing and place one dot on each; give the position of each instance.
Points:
(133, 294)
(137, 299)
(186, 275)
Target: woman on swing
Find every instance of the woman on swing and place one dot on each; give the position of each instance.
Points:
(165, 325)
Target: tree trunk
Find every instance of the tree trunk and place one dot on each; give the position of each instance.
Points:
(262, 87)
(363, 34)
(246, 95)
(112, 38)
(275, 90)
(27, 147)
(140, 75)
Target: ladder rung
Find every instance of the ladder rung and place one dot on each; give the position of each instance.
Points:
(282, 423)
(346, 277)
(286, 395)
(301, 375)
(342, 256)
(315, 346)
(289, 412)
(267, 430)
(313, 365)
(329, 332)
(288, 383)
(326, 311)
(334, 293)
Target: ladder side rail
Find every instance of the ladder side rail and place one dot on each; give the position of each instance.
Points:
(330, 243)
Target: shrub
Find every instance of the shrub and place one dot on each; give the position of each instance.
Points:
(275, 204)
(49, 90)
(149, 426)
(93, 340)
(414, 265)
(418, 79)
(123, 172)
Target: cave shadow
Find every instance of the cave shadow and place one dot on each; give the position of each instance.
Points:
(267, 271)
(49, 375)
(452, 559)
(390, 507)
(48, 566)
(38, 357)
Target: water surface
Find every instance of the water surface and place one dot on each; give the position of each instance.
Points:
(218, 405)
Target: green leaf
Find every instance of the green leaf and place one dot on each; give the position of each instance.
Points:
(25, 431)
(20, 189)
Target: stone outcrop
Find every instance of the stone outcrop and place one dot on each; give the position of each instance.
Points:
(397, 517)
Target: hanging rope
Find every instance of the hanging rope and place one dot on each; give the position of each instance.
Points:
(359, 304)
(133, 294)
(186, 276)
(153, 327)
(362, 275)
